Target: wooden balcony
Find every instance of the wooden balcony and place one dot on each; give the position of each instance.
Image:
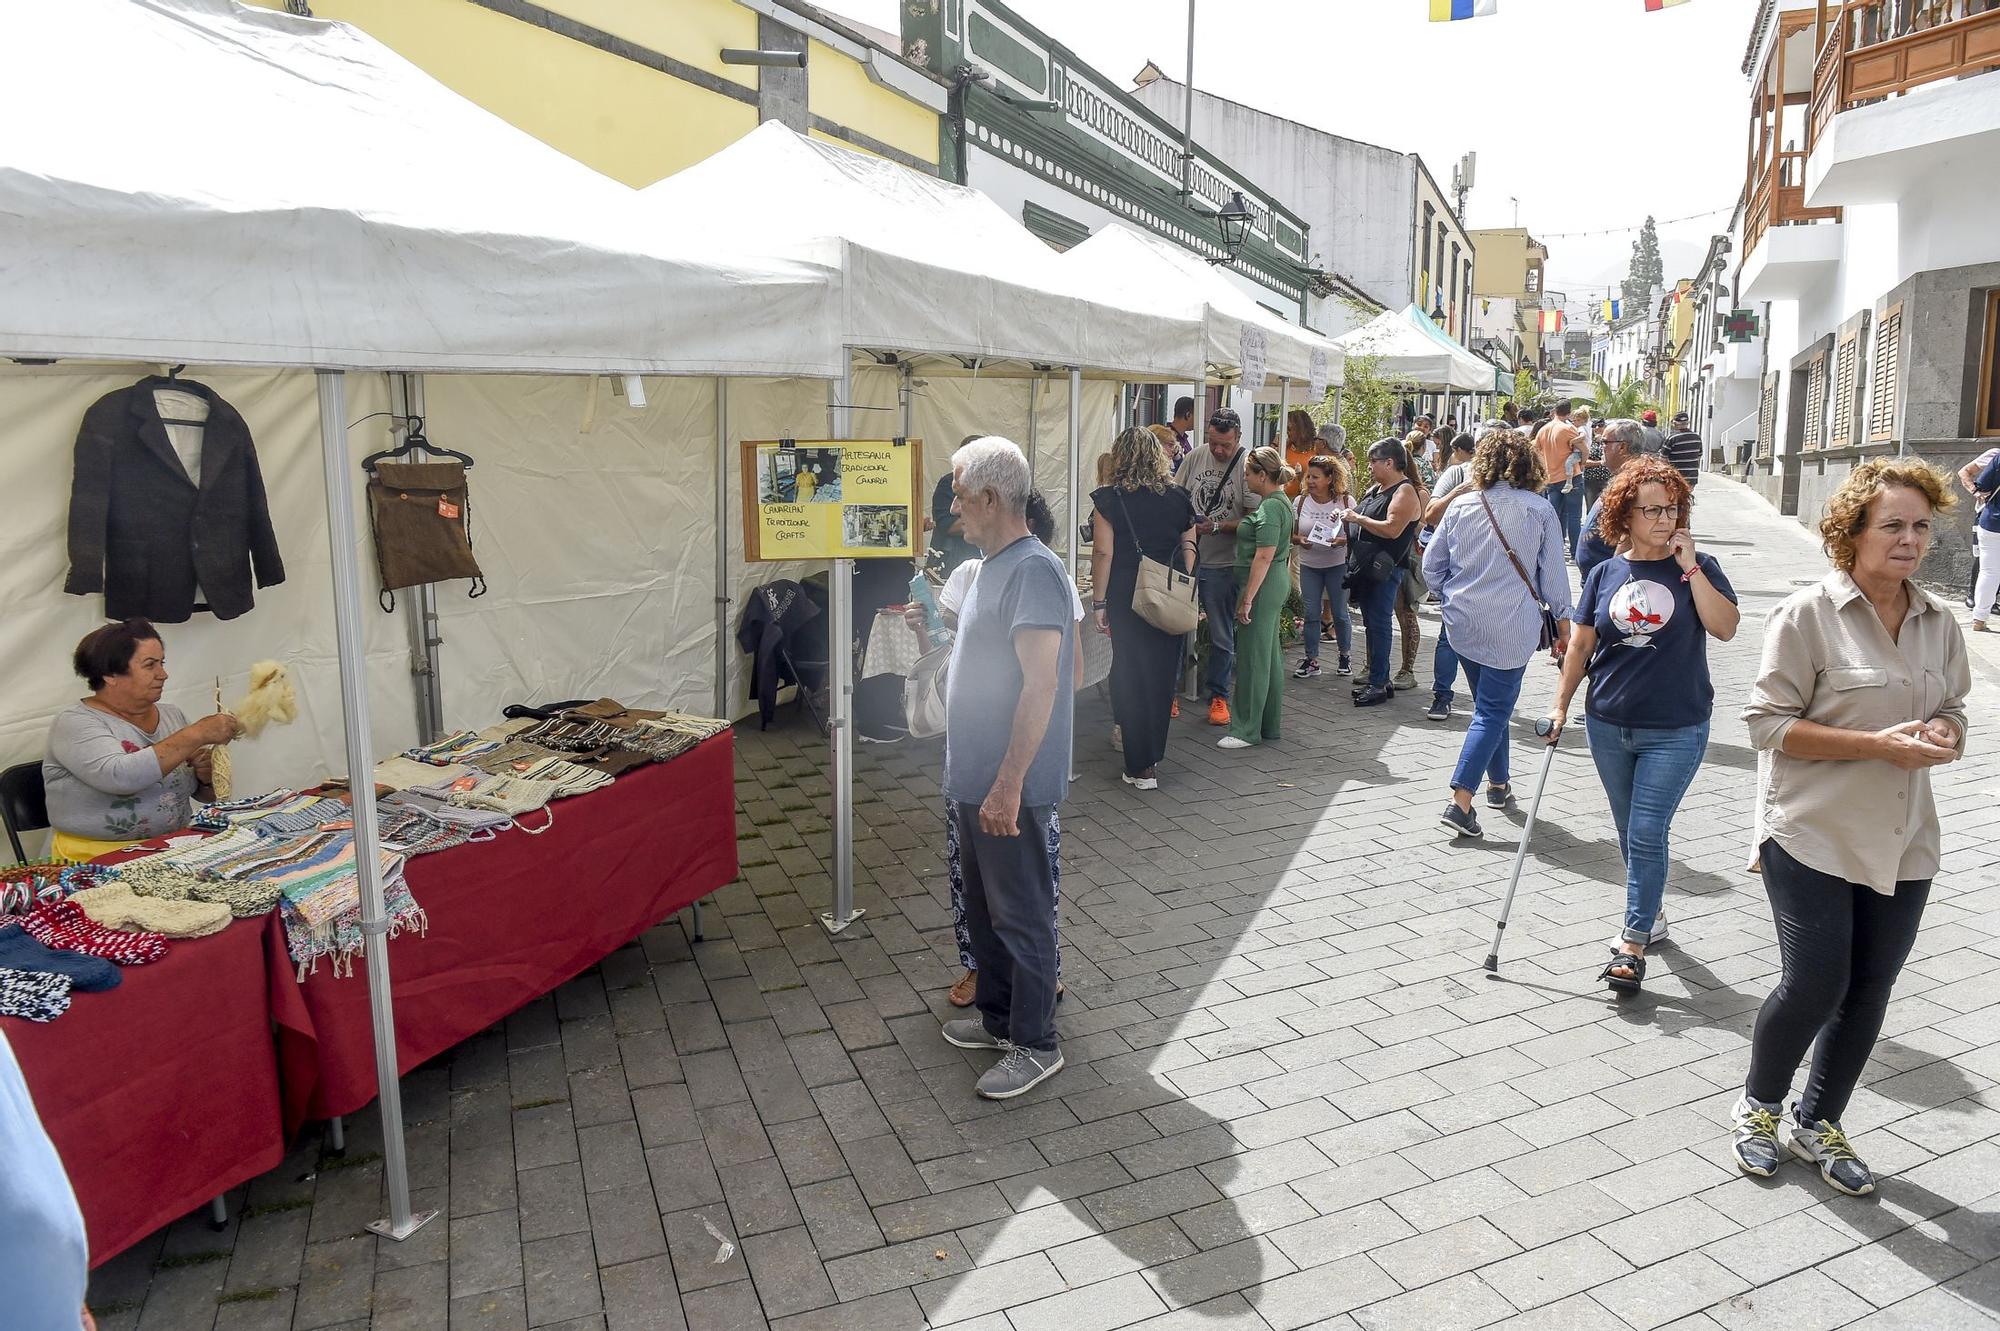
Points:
(1780, 200)
(1875, 50)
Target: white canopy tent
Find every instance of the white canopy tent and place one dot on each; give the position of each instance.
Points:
(1408, 348)
(1147, 270)
(340, 211)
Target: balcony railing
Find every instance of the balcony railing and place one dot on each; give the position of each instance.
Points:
(1780, 200)
(1878, 49)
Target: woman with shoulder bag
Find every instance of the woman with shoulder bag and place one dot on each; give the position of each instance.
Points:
(1321, 538)
(1503, 587)
(1259, 699)
(1141, 515)
(1385, 523)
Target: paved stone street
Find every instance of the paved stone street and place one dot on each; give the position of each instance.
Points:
(1293, 1098)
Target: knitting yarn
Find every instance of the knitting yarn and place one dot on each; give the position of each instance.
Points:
(33, 995)
(62, 924)
(88, 975)
(272, 699)
(117, 906)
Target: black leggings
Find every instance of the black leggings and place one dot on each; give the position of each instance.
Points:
(1843, 946)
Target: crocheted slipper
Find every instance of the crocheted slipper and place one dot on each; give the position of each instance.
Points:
(88, 975)
(63, 924)
(116, 906)
(33, 995)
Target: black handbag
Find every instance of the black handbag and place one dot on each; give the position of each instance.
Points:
(1550, 631)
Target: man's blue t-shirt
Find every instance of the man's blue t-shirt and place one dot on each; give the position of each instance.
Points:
(1592, 549)
(1649, 670)
(1022, 587)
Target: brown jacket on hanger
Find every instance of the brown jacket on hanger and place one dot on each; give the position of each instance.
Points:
(145, 534)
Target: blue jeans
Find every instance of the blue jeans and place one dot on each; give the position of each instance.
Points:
(1486, 749)
(1569, 510)
(1218, 590)
(1444, 668)
(1645, 773)
(1316, 587)
(1378, 617)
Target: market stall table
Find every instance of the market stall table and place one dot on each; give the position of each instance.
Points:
(160, 1094)
(509, 921)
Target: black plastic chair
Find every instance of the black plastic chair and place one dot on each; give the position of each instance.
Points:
(23, 804)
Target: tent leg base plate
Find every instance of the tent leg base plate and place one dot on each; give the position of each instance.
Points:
(389, 1230)
(834, 924)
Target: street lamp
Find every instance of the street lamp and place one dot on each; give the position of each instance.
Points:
(1235, 220)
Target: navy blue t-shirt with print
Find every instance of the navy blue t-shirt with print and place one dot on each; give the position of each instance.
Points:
(1650, 667)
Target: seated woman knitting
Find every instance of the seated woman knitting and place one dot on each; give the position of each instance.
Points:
(121, 765)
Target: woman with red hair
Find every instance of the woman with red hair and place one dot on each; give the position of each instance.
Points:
(1643, 623)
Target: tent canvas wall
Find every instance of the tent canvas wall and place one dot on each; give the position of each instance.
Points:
(1408, 348)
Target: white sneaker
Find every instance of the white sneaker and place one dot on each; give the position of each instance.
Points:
(1231, 742)
(1140, 782)
(1657, 935)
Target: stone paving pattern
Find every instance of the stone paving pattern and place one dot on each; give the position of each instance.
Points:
(1293, 1099)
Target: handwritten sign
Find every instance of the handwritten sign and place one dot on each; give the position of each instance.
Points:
(832, 499)
(1255, 356)
(1316, 380)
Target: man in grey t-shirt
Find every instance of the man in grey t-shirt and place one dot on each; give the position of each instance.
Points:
(1008, 722)
(1213, 478)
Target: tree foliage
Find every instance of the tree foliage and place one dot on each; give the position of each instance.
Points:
(1646, 271)
(1624, 401)
(1368, 405)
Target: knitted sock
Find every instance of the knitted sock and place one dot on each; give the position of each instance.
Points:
(63, 924)
(33, 995)
(88, 974)
(117, 906)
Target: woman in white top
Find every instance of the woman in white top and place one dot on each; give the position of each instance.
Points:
(1321, 536)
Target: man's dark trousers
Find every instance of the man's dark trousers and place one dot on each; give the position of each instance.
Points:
(1008, 884)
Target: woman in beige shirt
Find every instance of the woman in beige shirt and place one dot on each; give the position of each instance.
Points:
(1861, 693)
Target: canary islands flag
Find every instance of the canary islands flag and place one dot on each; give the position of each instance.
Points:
(1612, 310)
(1444, 11)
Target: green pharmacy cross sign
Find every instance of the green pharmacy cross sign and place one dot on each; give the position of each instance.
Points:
(1740, 326)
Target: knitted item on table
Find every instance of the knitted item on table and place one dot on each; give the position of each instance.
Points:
(567, 736)
(87, 975)
(63, 924)
(487, 821)
(511, 795)
(117, 906)
(411, 831)
(567, 777)
(400, 773)
(33, 995)
(512, 757)
(221, 815)
(342, 941)
(700, 727)
(458, 747)
(304, 814)
(23, 886)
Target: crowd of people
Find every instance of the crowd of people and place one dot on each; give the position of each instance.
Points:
(1860, 693)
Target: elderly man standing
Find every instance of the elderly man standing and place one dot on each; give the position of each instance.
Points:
(1623, 441)
(1007, 738)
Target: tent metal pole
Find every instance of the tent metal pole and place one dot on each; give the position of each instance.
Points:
(840, 662)
(400, 1223)
(1284, 412)
(722, 598)
(1075, 466)
(424, 638)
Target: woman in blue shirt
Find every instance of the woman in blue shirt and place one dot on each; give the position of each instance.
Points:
(1986, 533)
(1642, 629)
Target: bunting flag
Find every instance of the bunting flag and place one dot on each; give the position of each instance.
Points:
(1444, 11)
(1552, 321)
(1655, 6)
(1612, 310)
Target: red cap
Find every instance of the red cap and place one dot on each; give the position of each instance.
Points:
(1650, 417)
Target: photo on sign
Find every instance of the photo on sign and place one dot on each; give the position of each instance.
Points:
(819, 475)
(875, 526)
(777, 476)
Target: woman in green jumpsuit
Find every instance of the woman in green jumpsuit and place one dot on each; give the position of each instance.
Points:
(1262, 539)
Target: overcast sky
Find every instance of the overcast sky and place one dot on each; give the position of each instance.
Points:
(1593, 113)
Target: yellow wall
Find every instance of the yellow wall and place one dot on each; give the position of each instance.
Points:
(633, 123)
(839, 90)
(1500, 262)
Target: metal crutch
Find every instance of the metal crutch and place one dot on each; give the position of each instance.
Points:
(1542, 728)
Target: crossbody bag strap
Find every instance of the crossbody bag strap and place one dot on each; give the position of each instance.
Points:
(1525, 579)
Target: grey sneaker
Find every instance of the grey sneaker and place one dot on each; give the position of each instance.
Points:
(1497, 796)
(1405, 679)
(1460, 821)
(1824, 1144)
(971, 1033)
(1021, 1071)
(1440, 709)
(1756, 1143)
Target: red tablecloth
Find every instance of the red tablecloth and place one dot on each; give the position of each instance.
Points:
(162, 1093)
(510, 920)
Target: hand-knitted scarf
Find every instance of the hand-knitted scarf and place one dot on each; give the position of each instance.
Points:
(489, 821)
(158, 878)
(303, 814)
(221, 815)
(33, 995)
